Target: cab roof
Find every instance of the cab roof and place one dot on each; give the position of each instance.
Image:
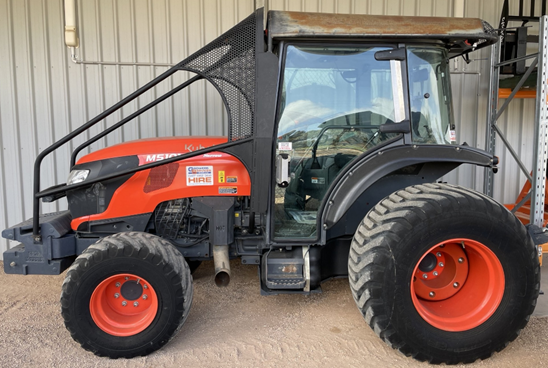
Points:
(459, 34)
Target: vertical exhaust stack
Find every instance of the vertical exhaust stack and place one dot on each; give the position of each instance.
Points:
(220, 211)
(222, 265)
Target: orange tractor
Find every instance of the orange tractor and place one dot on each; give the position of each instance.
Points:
(338, 128)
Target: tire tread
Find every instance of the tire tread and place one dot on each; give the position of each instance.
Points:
(369, 251)
(134, 245)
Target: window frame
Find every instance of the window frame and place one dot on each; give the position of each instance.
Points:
(319, 237)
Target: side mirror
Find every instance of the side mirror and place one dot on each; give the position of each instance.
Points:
(393, 54)
(403, 126)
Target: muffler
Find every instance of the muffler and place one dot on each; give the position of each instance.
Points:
(222, 265)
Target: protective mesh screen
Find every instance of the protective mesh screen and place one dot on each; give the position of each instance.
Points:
(229, 63)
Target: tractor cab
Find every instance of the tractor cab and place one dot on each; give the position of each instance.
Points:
(341, 101)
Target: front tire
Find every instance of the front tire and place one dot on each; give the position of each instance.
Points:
(444, 274)
(126, 295)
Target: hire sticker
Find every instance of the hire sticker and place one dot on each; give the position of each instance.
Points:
(199, 175)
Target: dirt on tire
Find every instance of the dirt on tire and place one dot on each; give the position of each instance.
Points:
(229, 327)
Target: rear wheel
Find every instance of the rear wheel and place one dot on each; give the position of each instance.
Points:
(443, 273)
(126, 295)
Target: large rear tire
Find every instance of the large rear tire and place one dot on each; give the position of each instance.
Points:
(126, 295)
(443, 274)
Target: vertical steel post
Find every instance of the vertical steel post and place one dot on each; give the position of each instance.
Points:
(541, 130)
(490, 134)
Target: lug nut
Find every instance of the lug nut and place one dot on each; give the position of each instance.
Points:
(145, 297)
(461, 260)
(432, 294)
(135, 304)
(117, 284)
(438, 254)
(145, 286)
(116, 295)
(126, 278)
(424, 276)
(124, 303)
(442, 246)
(441, 264)
(435, 273)
(456, 285)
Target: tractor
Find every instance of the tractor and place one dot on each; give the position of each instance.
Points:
(339, 129)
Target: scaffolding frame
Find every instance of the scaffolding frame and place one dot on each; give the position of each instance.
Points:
(540, 146)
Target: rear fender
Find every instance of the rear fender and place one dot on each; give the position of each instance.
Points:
(359, 179)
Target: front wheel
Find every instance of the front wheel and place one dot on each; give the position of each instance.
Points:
(443, 273)
(126, 295)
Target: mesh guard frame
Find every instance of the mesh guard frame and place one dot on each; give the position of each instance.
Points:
(229, 64)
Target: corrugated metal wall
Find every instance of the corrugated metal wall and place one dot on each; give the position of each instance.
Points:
(43, 95)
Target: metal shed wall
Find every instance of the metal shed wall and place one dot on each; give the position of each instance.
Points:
(43, 95)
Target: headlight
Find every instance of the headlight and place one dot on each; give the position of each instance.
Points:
(77, 176)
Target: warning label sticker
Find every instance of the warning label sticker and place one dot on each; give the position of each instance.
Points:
(199, 175)
(228, 190)
(231, 179)
(221, 176)
(285, 146)
(318, 180)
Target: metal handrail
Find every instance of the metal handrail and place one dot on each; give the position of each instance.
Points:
(131, 117)
(37, 163)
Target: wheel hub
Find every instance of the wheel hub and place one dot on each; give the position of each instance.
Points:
(464, 288)
(440, 275)
(123, 305)
(428, 263)
(131, 290)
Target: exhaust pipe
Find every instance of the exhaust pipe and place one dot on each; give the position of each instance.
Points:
(222, 265)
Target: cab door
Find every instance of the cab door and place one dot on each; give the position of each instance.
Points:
(332, 102)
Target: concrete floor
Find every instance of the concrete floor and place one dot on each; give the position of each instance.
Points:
(542, 303)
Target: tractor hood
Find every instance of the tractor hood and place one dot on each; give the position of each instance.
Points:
(153, 149)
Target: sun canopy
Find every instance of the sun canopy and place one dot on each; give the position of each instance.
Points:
(459, 34)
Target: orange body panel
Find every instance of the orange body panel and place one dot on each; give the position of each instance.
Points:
(154, 146)
(210, 174)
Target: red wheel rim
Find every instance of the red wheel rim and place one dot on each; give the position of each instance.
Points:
(461, 289)
(123, 305)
